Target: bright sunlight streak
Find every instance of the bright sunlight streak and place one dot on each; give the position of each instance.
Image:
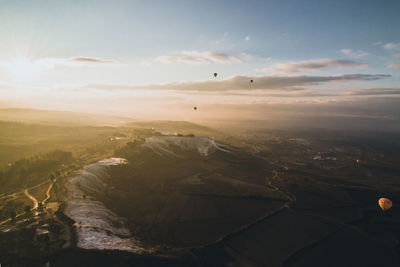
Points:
(23, 69)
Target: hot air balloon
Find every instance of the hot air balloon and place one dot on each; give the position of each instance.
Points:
(195, 108)
(385, 203)
(215, 74)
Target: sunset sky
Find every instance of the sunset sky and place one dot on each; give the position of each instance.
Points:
(142, 57)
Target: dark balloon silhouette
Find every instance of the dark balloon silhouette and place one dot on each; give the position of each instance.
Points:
(251, 81)
(215, 74)
(195, 108)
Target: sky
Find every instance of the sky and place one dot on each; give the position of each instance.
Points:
(156, 59)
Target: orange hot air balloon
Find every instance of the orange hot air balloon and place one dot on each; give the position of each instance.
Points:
(385, 203)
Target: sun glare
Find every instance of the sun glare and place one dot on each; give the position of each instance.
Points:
(23, 69)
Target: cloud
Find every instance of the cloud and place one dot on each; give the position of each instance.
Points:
(312, 65)
(243, 83)
(354, 54)
(51, 63)
(247, 38)
(391, 46)
(91, 60)
(375, 91)
(346, 51)
(200, 57)
(394, 66)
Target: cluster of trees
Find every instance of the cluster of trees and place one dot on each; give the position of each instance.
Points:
(187, 135)
(30, 171)
(13, 213)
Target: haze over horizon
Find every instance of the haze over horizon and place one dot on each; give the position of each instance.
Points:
(153, 60)
(200, 133)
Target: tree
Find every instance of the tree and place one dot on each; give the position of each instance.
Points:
(12, 214)
(27, 209)
(23, 176)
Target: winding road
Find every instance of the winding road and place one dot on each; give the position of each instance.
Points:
(48, 192)
(34, 200)
(268, 183)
